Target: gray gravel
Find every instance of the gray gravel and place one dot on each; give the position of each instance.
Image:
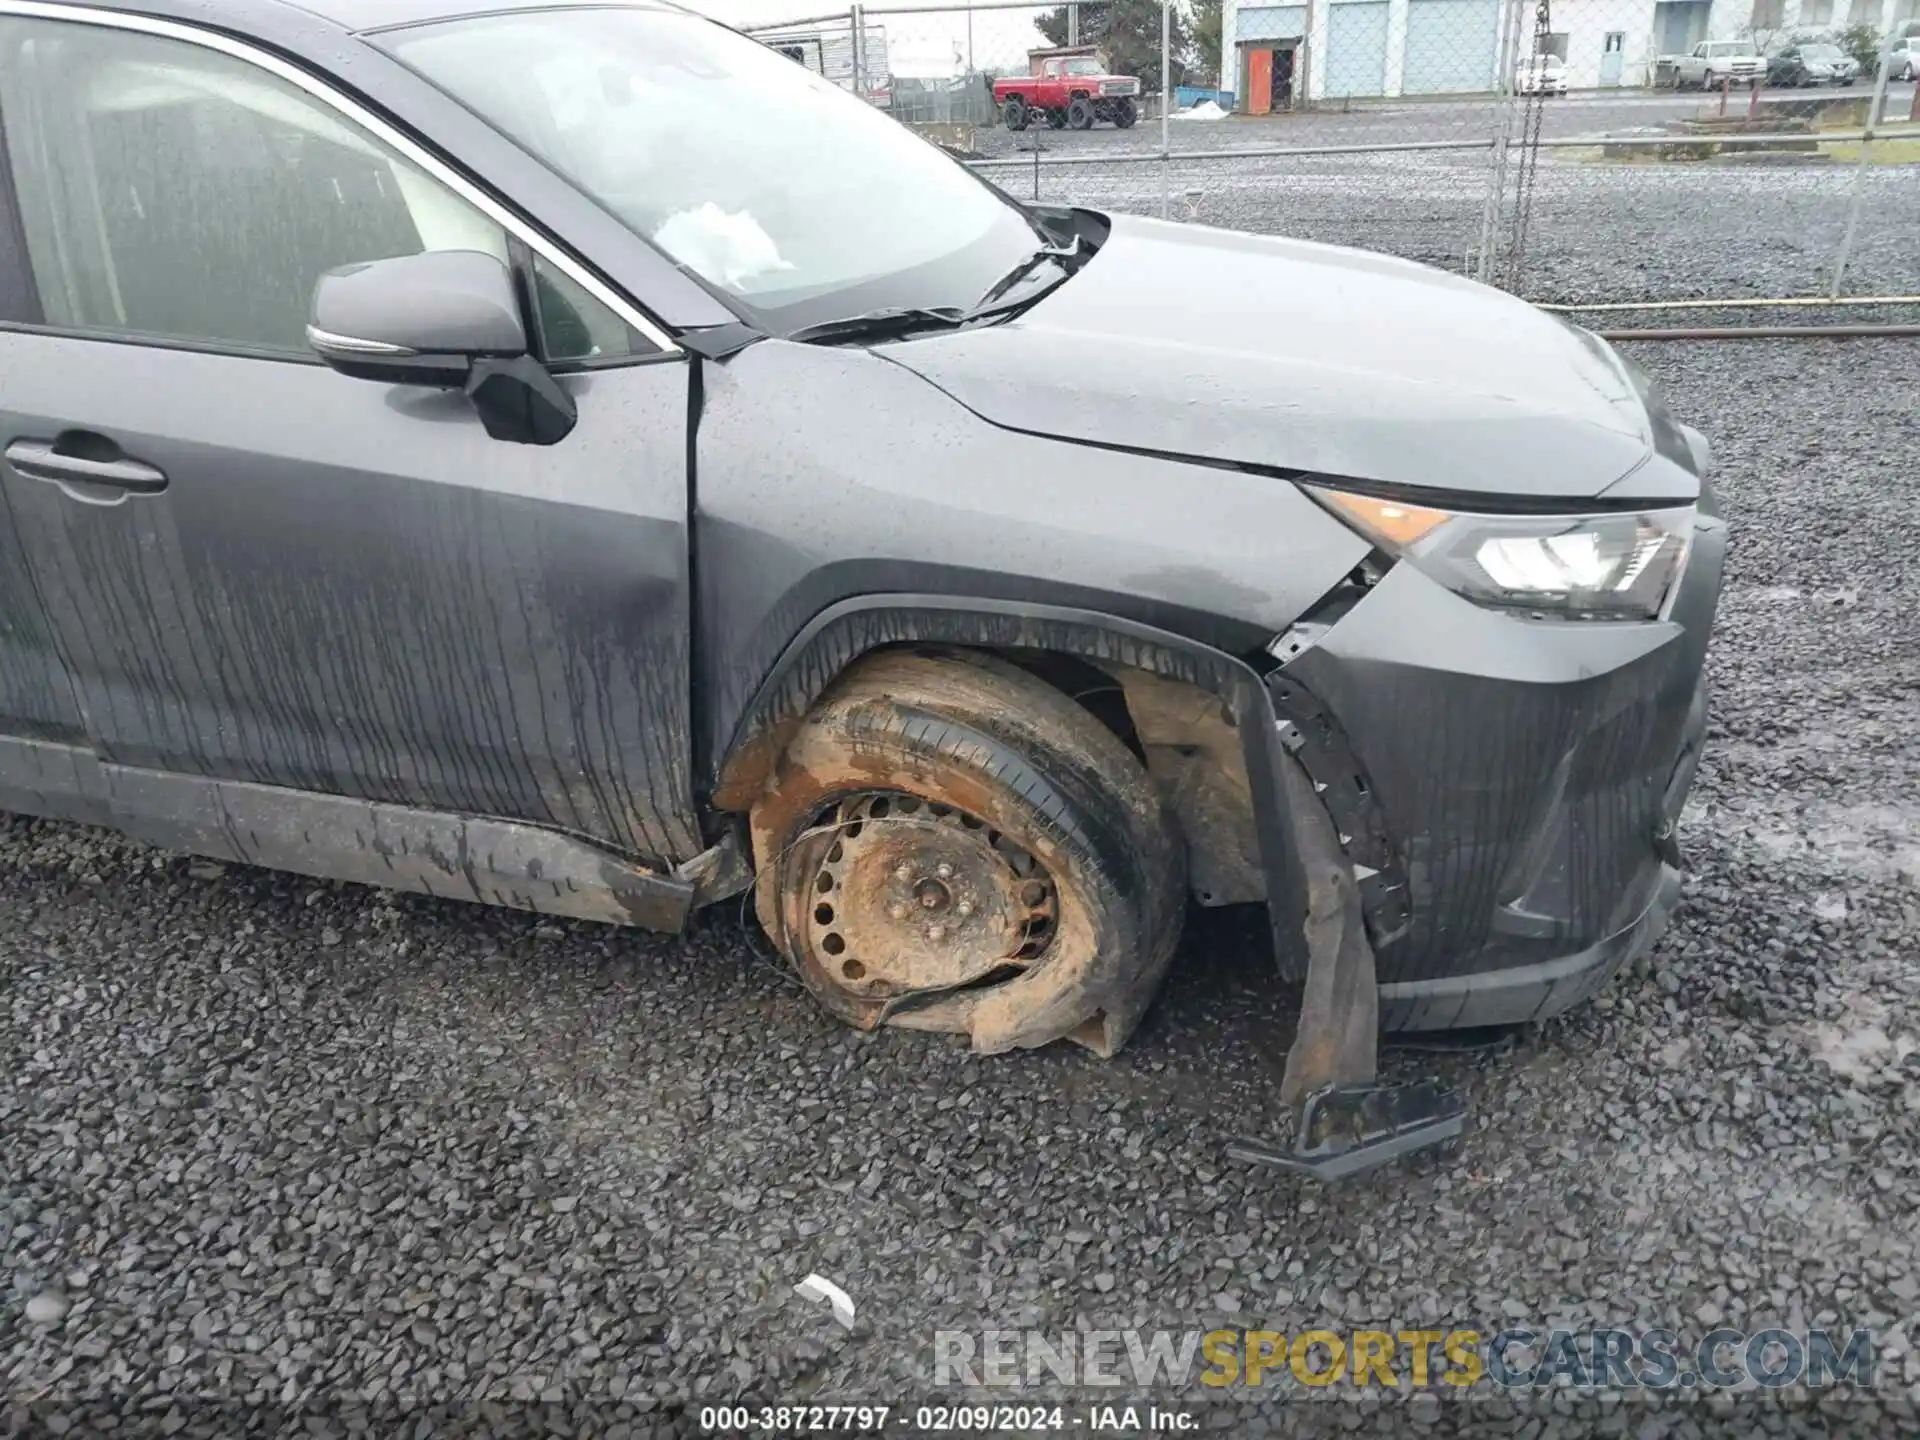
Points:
(1755, 226)
(270, 1149)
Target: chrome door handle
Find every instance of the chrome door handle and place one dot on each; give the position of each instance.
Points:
(93, 481)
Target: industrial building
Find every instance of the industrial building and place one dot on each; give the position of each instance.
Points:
(1277, 55)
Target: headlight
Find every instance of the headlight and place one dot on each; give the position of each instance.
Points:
(1619, 566)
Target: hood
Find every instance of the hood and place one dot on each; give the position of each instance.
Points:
(1246, 349)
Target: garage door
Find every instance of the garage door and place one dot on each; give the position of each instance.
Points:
(1452, 45)
(1356, 49)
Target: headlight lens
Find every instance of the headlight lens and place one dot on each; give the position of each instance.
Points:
(1618, 566)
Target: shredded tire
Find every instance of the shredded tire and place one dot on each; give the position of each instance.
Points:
(975, 733)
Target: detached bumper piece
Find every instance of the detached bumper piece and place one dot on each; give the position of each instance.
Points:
(1344, 1121)
(1343, 1130)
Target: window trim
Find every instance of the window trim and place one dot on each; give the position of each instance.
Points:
(517, 226)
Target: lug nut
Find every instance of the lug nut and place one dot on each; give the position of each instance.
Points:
(963, 909)
(943, 870)
(897, 910)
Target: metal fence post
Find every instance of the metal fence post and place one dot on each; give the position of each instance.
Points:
(1503, 107)
(1875, 108)
(1166, 106)
(857, 39)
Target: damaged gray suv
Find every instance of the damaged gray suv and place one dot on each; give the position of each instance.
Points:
(571, 457)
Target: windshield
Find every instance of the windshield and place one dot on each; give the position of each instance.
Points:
(1729, 48)
(776, 186)
(1085, 66)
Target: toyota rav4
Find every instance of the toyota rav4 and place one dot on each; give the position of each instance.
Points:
(574, 458)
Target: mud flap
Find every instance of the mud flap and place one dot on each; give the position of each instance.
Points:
(1344, 1121)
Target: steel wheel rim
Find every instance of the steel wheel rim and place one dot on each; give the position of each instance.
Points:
(901, 896)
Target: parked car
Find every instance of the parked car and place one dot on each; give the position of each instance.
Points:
(1811, 64)
(1712, 62)
(1071, 90)
(1541, 75)
(1904, 63)
(574, 458)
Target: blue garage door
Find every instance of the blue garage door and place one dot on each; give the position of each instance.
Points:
(1451, 46)
(1356, 49)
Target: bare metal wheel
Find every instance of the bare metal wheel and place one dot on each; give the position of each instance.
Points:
(949, 843)
(910, 896)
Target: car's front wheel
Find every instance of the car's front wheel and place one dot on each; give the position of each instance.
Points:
(1125, 113)
(950, 843)
(1014, 112)
(1080, 113)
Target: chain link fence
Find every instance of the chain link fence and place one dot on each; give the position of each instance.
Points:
(1577, 152)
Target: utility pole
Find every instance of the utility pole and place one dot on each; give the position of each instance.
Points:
(1073, 24)
(1166, 104)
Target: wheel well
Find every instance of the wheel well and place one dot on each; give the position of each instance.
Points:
(1185, 736)
(1099, 692)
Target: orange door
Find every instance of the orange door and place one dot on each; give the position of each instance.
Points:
(1260, 82)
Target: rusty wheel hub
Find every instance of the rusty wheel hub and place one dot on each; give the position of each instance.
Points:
(913, 896)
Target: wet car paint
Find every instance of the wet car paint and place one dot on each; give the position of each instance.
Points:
(1120, 451)
(801, 508)
(1290, 356)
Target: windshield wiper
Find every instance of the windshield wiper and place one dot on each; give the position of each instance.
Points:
(882, 324)
(1068, 257)
(904, 320)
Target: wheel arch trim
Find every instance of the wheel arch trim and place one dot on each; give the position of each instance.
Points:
(844, 632)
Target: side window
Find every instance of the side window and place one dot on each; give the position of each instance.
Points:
(575, 328)
(173, 192)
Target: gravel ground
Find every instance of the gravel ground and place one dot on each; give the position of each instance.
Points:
(269, 1148)
(1597, 230)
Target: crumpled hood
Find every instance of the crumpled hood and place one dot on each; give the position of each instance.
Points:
(1249, 349)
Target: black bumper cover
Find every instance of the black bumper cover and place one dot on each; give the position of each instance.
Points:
(1510, 788)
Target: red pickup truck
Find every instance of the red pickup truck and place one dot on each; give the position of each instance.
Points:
(1068, 90)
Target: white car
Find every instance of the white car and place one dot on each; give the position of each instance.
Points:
(1904, 64)
(1542, 75)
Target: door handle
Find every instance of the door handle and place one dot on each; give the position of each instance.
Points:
(97, 482)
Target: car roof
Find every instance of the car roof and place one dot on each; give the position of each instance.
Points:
(366, 15)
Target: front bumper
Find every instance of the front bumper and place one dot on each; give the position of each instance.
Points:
(1513, 786)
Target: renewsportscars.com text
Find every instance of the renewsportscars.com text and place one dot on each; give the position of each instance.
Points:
(1511, 1358)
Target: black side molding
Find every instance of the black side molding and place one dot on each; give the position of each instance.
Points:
(336, 837)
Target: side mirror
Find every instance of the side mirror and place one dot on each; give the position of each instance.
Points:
(445, 318)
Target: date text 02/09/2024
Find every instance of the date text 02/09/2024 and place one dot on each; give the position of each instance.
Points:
(939, 1419)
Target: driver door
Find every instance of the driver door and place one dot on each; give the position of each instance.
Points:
(259, 570)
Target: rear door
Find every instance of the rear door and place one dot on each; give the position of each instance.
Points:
(258, 569)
